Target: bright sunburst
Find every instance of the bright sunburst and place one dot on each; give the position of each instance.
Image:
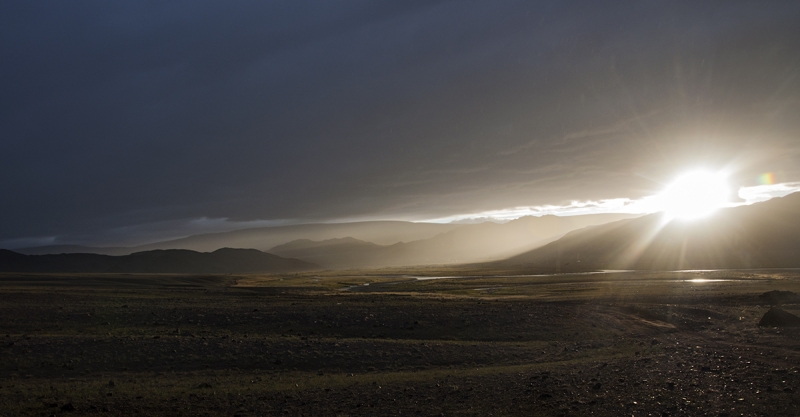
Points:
(695, 194)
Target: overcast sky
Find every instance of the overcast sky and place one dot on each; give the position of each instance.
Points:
(124, 122)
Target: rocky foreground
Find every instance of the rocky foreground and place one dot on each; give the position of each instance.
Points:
(292, 350)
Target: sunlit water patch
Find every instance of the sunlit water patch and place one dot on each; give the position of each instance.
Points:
(693, 280)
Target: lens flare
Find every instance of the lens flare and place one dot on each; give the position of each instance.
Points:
(766, 178)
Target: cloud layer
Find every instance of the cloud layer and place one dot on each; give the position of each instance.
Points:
(118, 116)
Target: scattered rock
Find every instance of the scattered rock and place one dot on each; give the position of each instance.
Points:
(777, 317)
(777, 298)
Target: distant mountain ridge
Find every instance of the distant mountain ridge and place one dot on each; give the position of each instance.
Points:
(375, 243)
(224, 260)
(464, 244)
(58, 249)
(264, 238)
(761, 235)
(337, 253)
(303, 244)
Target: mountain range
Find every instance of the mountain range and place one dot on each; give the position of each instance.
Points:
(226, 260)
(761, 235)
(264, 238)
(376, 243)
(464, 244)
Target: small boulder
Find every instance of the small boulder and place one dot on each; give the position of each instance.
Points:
(777, 317)
(777, 298)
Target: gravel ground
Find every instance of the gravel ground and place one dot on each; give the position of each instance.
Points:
(212, 349)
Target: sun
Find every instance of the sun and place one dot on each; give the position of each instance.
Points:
(695, 194)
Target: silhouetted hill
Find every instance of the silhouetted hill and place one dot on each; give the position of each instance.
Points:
(58, 249)
(466, 243)
(760, 235)
(224, 260)
(335, 253)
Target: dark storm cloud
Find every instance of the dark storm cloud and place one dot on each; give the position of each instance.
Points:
(118, 116)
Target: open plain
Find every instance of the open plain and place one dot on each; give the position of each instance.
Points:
(399, 342)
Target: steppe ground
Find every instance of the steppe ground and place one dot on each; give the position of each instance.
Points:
(614, 344)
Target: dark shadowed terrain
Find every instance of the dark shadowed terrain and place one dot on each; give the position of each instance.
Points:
(394, 343)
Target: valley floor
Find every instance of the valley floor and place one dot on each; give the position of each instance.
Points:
(628, 343)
